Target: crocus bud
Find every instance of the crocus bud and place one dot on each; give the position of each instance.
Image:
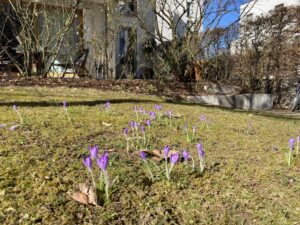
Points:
(87, 161)
(185, 155)
(143, 155)
(174, 158)
(102, 162)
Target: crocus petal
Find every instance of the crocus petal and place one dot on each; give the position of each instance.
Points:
(174, 158)
(143, 155)
(200, 150)
(102, 162)
(185, 155)
(292, 142)
(94, 151)
(87, 161)
(143, 129)
(148, 122)
(166, 151)
(125, 131)
(14, 127)
(65, 104)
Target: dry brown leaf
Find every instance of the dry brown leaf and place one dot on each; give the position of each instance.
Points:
(92, 197)
(158, 155)
(80, 197)
(107, 124)
(86, 195)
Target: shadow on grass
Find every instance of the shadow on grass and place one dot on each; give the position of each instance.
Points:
(271, 114)
(172, 101)
(73, 103)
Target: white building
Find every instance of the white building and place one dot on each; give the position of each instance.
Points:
(255, 8)
(127, 53)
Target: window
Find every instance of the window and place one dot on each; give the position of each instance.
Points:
(188, 9)
(127, 6)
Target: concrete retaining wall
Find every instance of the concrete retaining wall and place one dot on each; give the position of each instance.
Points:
(247, 101)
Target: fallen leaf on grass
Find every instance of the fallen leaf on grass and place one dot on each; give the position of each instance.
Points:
(159, 155)
(107, 124)
(86, 196)
(80, 197)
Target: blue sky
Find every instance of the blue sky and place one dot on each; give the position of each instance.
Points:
(231, 16)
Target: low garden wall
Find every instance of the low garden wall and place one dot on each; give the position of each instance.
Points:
(243, 101)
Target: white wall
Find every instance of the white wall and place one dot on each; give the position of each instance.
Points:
(263, 7)
(178, 10)
(94, 35)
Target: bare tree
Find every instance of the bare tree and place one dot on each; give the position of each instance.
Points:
(41, 29)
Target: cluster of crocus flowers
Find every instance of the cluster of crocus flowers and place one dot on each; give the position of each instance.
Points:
(189, 137)
(204, 121)
(15, 108)
(102, 163)
(138, 131)
(169, 115)
(65, 106)
(173, 160)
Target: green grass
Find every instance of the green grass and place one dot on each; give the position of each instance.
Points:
(246, 181)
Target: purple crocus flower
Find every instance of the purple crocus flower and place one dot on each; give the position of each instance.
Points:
(2, 125)
(185, 155)
(202, 117)
(133, 124)
(143, 155)
(166, 151)
(152, 115)
(157, 107)
(94, 151)
(14, 127)
(174, 158)
(200, 151)
(102, 162)
(107, 105)
(65, 104)
(142, 111)
(87, 161)
(148, 122)
(15, 107)
(125, 131)
(143, 129)
(169, 113)
(292, 143)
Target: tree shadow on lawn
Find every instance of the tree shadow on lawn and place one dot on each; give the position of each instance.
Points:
(254, 112)
(73, 103)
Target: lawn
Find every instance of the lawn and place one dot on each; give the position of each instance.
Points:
(246, 179)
